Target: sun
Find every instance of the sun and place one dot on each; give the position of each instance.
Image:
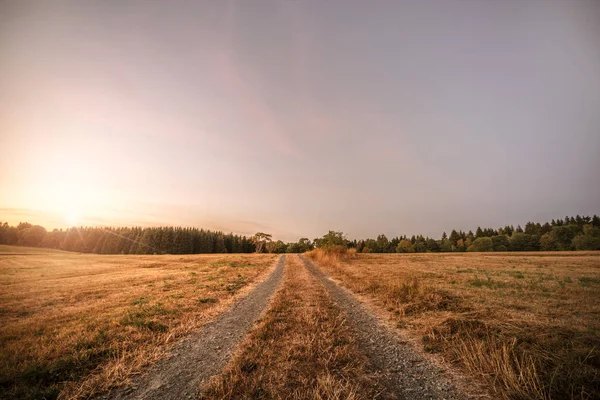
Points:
(72, 218)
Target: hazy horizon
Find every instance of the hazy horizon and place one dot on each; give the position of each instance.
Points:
(294, 118)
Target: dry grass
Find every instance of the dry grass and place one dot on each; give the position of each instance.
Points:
(529, 324)
(332, 255)
(71, 325)
(23, 250)
(301, 349)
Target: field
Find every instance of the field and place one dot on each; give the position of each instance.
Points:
(524, 325)
(527, 324)
(72, 325)
(301, 349)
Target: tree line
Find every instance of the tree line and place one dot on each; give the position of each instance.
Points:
(136, 240)
(570, 233)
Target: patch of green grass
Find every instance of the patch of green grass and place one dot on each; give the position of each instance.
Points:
(205, 300)
(43, 380)
(489, 283)
(237, 284)
(143, 317)
(464, 271)
(481, 283)
(231, 264)
(587, 281)
(563, 282)
(139, 302)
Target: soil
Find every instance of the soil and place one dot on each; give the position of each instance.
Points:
(204, 354)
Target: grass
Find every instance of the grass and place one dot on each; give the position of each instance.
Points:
(12, 250)
(332, 255)
(528, 324)
(300, 349)
(73, 325)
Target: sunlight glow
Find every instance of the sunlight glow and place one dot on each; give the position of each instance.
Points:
(73, 218)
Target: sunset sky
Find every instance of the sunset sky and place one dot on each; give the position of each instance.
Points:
(296, 117)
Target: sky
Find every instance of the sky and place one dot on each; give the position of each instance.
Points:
(299, 117)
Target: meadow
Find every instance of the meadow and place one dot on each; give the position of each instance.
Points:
(525, 324)
(73, 325)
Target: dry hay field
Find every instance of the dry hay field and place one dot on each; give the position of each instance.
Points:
(71, 325)
(526, 324)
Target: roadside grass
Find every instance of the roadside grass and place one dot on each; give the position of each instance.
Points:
(73, 325)
(300, 349)
(528, 324)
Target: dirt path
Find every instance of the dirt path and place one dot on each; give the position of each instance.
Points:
(204, 354)
(404, 373)
(302, 348)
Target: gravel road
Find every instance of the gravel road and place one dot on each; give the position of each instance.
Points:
(400, 369)
(204, 354)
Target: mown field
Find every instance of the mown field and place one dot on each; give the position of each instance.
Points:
(72, 325)
(528, 324)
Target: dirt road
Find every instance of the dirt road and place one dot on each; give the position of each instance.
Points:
(206, 353)
(401, 370)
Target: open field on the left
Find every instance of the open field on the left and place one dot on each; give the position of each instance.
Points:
(72, 325)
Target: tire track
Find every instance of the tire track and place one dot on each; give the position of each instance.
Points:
(404, 372)
(206, 353)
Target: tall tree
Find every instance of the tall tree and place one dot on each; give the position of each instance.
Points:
(260, 239)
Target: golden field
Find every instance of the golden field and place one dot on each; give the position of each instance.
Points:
(527, 323)
(72, 325)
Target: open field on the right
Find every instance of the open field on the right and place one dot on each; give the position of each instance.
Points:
(527, 323)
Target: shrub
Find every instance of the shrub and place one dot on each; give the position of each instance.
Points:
(548, 242)
(523, 242)
(586, 242)
(481, 244)
(500, 242)
(405, 246)
(331, 255)
(419, 247)
(564, 235)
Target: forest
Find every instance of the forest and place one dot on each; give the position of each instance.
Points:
(136, 240)
(570, 233)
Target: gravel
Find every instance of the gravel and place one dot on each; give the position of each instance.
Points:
(204, 354)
